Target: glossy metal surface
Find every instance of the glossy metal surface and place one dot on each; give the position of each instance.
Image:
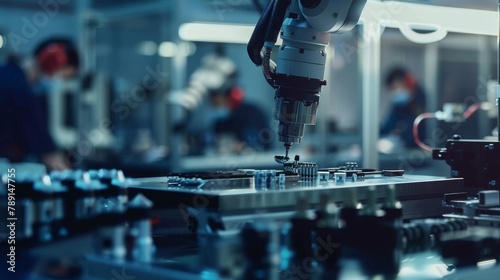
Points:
(421, 195)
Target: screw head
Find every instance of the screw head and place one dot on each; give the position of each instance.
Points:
(493, 183)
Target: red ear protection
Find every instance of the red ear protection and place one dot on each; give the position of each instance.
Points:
(52, 58)
(236, 96)
(410, 82)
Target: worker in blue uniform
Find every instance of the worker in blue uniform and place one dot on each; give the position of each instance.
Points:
(24, 132)
(408, 101)
(244, 121)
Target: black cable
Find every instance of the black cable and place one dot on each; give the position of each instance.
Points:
(259, 33)
(276, 21)
(258, 6)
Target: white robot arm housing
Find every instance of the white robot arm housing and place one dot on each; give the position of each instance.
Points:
(305, 27)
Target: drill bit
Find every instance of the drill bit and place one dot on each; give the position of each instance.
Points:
(287, 145)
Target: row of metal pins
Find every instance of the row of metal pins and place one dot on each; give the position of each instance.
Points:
(307, 170)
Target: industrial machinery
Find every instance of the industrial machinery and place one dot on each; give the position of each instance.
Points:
(298, 74)
(299, 221)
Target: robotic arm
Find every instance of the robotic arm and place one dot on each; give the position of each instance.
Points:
(298, 75)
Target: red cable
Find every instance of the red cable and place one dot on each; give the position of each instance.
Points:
(471, 110)
(416, 123)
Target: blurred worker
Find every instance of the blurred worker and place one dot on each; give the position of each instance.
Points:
(244, 121)
(56, 60)
(408, 101)
(216, 78)
(23, 118)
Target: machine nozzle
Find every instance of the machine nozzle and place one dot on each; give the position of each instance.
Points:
(287, 145)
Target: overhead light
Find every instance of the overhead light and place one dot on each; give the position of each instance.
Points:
(147, 48)
(216, 32)
(2, 41)
(440, 20)
(388, 13)
(168, 49)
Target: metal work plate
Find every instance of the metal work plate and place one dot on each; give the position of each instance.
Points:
(409, 188)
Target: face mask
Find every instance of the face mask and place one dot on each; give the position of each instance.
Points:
(49, 85)
(401, 97)
(221, 113)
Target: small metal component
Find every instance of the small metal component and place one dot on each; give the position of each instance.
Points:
(354, 177)
(272, 178)
(85, 205)
(290, 167)
(257, 178)
(323, 176)
(340, 177)
(265, 179)
(351, 165)
(111, 241)
(489, 198)
(489, 147)
(281, 179)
